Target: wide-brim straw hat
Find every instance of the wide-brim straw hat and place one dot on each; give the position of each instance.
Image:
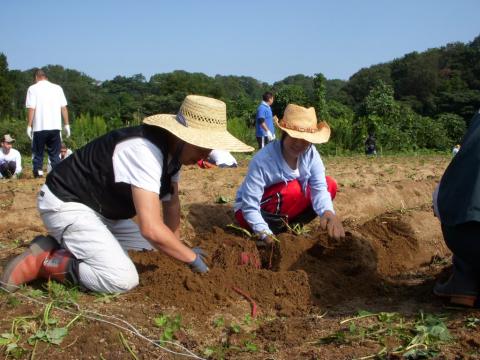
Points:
(201, 121)
(301, 123)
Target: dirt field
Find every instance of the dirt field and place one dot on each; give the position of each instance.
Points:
(311, 295)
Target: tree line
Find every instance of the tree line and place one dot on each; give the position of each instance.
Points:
(419, 101)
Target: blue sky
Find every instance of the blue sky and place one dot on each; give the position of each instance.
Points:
(268, 40)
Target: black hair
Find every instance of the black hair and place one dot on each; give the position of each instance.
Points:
(267, 96)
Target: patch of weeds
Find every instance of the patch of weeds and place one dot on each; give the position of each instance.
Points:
(412, 339)
(250, 346)
(222, 199)
(235, 328)
(48, 331)
(35, 293)
(169, 325)
(472, 322)
(297, 228)
(247, 320)
(216, 352)
(105, 298)
(61, 294)
(219, 322)
(13, 301)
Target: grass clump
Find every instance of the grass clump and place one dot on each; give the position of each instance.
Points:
(411, 339)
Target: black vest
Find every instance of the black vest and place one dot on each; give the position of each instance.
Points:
(87, 175)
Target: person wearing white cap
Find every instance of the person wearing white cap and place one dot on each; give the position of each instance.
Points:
(90, 197)
(10, 159)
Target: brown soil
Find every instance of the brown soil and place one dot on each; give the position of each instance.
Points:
(305, 284)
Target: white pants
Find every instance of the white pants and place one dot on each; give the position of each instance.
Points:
(100, 244)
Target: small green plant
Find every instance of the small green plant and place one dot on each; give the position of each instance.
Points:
(297, 228)
(250, 346)
(48, 331)
(169, 325)
(247, 320)
(61, 294)
(219, 322)
(472, 322)
(105, 298)
(235, 328)
(222, 200)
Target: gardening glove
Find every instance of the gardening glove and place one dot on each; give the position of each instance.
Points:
(67, 130)
(330, 222)
(265, 240)
(270, 136)
(198, 265)
(29, 132)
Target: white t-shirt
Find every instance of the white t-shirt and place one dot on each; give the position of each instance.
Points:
(13, 155)
(138, 162)
(221, 157)
(47, 99)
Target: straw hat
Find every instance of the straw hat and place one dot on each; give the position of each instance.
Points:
(301, 123)
(201, 121)
(8, 139)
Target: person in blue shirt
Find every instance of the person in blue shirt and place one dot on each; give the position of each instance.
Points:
(264, 130)
(286, 181)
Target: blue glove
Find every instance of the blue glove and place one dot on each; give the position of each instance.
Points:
(198, 265)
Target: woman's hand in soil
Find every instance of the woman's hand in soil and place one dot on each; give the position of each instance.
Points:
(266, 240)
(198, 265)
(330, 222)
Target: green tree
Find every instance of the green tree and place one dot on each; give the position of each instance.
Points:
(6, 88)
(320, 97)
(288, 94)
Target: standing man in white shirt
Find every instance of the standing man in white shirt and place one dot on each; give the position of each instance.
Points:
(46, 104)
(10, 159)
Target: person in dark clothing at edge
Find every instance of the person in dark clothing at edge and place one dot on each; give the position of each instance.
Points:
(457, 204)
(90, 197)
(371, 145)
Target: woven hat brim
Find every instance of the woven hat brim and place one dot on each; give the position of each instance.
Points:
(319, 137)
(204, 138)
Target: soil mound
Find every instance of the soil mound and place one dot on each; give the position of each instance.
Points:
(297, 272)
(171, 283)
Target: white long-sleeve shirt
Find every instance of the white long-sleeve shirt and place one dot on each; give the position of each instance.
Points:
(269, 168)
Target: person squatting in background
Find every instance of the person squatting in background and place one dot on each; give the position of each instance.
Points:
(64, 153)
(220, 158)
(89, 199)
(10, 158)
(286, 180)
(456, 203)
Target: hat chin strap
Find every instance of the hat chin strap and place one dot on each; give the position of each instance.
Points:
(174, 164)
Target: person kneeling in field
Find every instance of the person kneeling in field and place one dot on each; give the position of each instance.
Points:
(457, 205)
(286, 180)
(90, 197)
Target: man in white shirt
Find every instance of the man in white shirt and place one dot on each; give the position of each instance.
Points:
(10, 159)
(46, 104)
(89, 199)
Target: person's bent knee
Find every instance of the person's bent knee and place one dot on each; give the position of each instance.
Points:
(123, 282)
